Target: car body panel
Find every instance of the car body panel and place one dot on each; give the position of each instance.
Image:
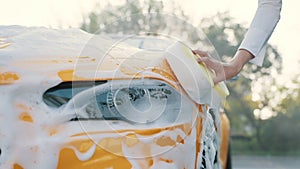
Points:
(34, 135)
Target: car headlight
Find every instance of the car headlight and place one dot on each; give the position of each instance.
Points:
(141, 105)
(135, 101)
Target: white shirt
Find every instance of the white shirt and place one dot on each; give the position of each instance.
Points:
(262, 26)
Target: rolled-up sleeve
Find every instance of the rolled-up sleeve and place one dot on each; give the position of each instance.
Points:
(261, 28)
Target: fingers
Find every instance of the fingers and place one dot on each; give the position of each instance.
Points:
(212, 64)
(217, 79)
(203, 56)
(200, 53)
(202, 60)
(208, 62)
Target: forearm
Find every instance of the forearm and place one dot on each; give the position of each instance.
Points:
(233, 67)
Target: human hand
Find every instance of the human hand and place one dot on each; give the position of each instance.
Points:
(224, 71)
(214, 65)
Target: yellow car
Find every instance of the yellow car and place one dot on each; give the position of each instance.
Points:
(72, 100)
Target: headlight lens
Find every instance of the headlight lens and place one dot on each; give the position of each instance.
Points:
(135, 101)
(141, 105)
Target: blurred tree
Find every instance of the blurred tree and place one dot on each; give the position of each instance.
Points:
(286, 124)
(131, 18)
(148, 17)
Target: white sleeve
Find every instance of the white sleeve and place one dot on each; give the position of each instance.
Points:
(261, 28)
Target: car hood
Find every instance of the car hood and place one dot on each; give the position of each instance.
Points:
(73, 55)
(43, 55)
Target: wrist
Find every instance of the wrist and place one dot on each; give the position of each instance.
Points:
(231, 70)
(237, 63)
(241, 57)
